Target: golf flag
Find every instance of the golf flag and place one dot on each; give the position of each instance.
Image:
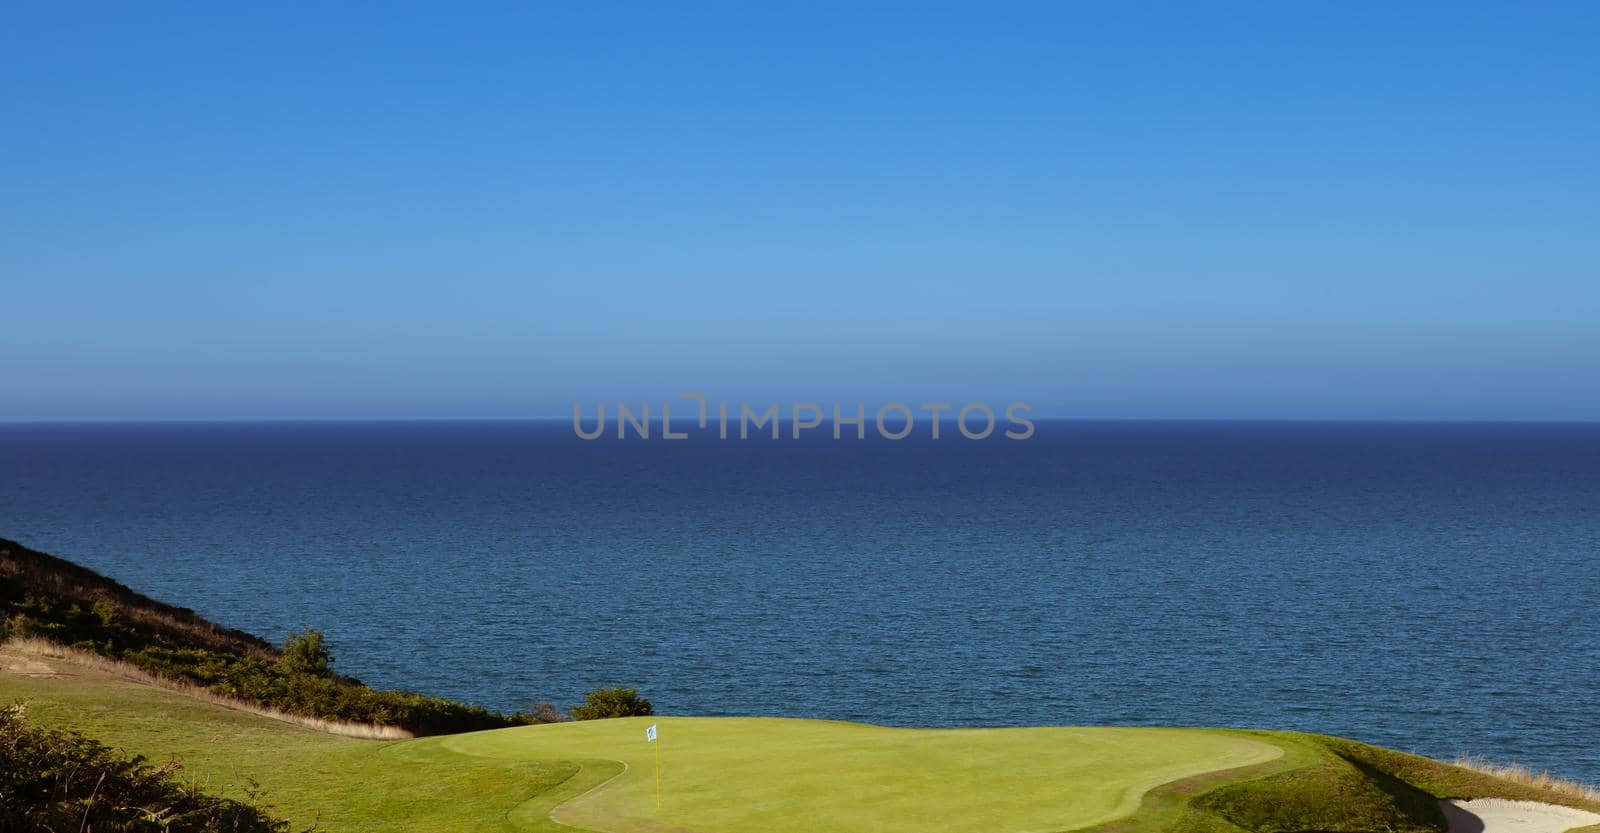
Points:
(650, 737)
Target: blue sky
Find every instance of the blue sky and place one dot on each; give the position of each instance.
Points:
(1265, 210)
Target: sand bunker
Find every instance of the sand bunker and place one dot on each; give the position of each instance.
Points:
(1497, 815)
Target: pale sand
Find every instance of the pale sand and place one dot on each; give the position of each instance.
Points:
(1497, 815)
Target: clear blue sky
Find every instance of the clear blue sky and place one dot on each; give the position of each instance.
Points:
(348, 210)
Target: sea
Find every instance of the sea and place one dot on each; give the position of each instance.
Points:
(1433, 587)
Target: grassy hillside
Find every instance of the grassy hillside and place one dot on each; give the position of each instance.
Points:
(44, 597)
(54, 779)
(339, 783)
(764, 775)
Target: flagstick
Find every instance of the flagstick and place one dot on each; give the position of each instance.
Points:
(658, 775)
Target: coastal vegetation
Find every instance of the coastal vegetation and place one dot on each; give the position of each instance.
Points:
(605, 703)
(1541, 781)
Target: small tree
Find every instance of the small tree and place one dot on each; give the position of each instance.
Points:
(604, 703)
(304, 652)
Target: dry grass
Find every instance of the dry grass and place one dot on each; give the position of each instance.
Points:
(35, 647)
(1522, 775)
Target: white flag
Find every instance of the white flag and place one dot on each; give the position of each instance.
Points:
(650, 733)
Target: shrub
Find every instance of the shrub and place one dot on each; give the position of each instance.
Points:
(604, 703)
(304, 652)
(108, 614)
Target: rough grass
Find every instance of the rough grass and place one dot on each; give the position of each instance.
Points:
(1542, 781)
(1345, 786)
(43, 648)
(1329, 792)
(1443, 780)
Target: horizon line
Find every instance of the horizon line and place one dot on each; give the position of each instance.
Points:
(692, 421)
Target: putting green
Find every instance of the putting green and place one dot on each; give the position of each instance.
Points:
(772, 775)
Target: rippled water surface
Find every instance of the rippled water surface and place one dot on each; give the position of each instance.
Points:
(1429, 587)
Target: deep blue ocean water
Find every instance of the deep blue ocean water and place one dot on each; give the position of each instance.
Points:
(1431, 587)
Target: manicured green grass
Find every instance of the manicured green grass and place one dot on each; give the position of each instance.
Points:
(767, 775)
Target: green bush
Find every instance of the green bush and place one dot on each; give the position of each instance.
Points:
(603, 703)
(57, 780)
(305, 653)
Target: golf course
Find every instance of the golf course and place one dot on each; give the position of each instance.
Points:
(765, 774)
(758, 775)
